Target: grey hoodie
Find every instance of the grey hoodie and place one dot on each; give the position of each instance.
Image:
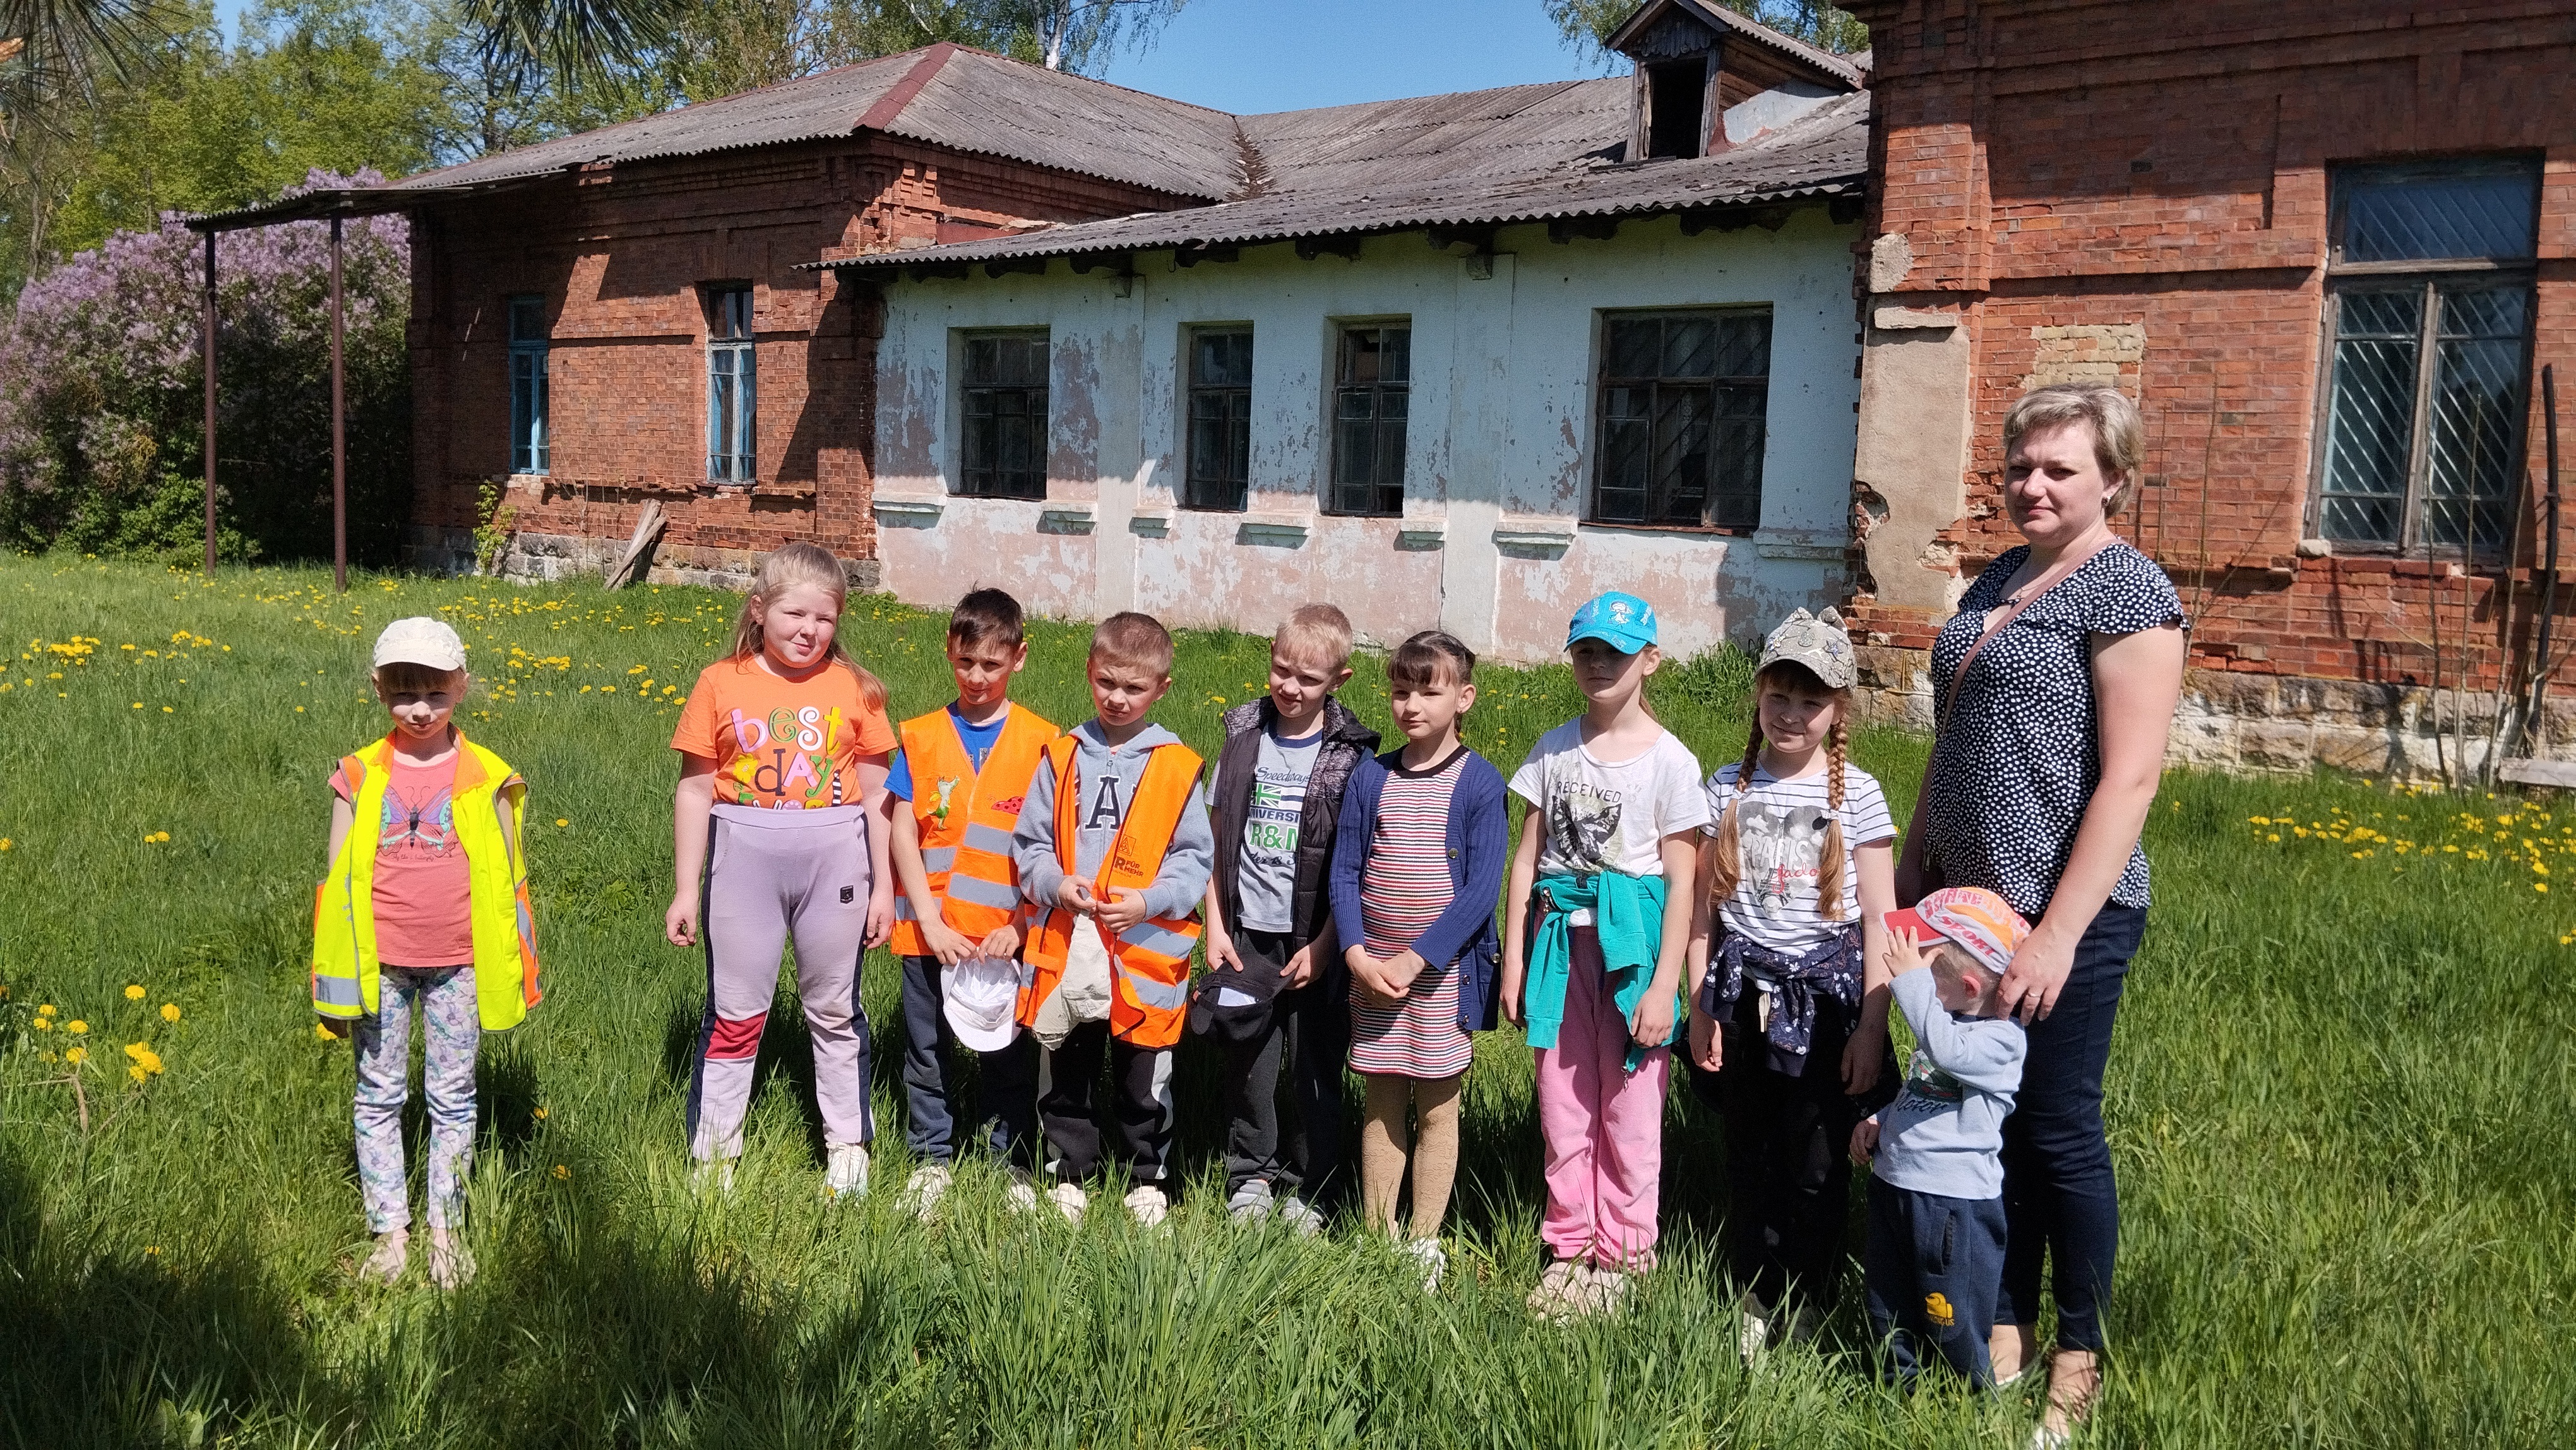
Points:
(1104, 784)
(1944, 1134)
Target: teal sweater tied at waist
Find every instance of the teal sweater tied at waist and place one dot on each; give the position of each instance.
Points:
(1627, 914)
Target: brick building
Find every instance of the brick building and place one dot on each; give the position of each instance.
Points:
(2326, 245)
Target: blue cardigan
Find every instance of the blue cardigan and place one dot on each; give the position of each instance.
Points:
(1479, 850)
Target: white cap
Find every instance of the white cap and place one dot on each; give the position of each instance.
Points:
(420, 640)
(981, 997)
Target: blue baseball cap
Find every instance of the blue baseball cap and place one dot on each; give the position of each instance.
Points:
(1623, 621)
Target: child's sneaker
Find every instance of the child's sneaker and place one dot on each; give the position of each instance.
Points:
(1020, 1196)
(1557, 1286)
(1300, 1215)
(1071, 1199)
(450, 1266)
(711, 1176)
(929, 1184)
(1604, 1288)
(1251, 1203)
(1149, 1205)
(392, 1255)
(1433, 1259)
(845, 1171)
(1755, 1335)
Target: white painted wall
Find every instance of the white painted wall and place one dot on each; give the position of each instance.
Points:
(1499, 445)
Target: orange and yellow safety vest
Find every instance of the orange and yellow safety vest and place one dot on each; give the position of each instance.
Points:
(964, 817)
(1150, 961)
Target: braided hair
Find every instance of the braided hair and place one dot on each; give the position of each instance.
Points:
(1726, 849)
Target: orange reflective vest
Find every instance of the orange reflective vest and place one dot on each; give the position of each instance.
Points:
(964, 818)
(1149, 963)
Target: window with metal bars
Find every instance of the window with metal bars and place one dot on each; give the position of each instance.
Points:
(1220, 444)
(733, 385)
(1683, 398)
(528, 443)
(1372, 387)
(1004, 403)
(2428, 358)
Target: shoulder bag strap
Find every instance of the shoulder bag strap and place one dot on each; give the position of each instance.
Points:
(2029, 597)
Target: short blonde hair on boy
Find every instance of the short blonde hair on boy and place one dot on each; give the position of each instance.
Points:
(1135, 640)
(1951, 963)
(1319, 628)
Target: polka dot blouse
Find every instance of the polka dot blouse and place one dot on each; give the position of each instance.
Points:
(2021, 753)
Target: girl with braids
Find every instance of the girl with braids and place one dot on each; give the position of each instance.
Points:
(1788, 988)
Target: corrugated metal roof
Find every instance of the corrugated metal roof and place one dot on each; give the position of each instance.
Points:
(1824, 153)
(1515, 130)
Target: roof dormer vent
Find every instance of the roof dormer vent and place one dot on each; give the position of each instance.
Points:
(1696, 58)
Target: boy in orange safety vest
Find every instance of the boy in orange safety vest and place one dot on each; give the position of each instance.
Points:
(1114, 849)
(964, 769)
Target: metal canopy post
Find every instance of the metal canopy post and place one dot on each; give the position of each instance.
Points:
(210, 405)
(339, 434)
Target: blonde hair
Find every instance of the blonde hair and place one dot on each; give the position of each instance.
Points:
(1727, 850)
(801, 565)
(1134, 639)
(1951, 962)
(2119, 432)
(1319, 627)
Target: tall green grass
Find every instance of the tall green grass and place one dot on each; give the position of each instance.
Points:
(2339, 1101)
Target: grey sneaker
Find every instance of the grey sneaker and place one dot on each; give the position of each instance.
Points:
(1251, 1203)
(392, 1255)
(1149, 1205)
(845, 1171)
(1433, 1259)
(1557, 1287)
(1021, 1197)
(929, 1184)
(1071, 1199)
(711, 1176)
(1300, 1215)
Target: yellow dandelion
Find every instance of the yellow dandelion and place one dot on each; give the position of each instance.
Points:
(152, 1251)
(133, 994)
(562, 1173)
(560, 821)
(44, 1024)
(169, 1011)
(76, 1027)
(138, 1074)
(2540, 886)
(76, 1056)
(541, 1115)
(6, 843)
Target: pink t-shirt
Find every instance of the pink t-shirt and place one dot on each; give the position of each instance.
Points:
(423, 894)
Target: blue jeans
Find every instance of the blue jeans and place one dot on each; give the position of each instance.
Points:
(1929, 1273)
(2061, 1206)
(1007, 1086)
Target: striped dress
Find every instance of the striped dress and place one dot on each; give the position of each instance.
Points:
(1403, 889)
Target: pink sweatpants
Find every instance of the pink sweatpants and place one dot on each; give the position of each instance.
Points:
(1603, 1125)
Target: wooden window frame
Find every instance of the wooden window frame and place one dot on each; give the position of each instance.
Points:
(1604, 382)
(1200, 492)
(531, 441)
(977, 411)
(733, 385)
(1386, 498)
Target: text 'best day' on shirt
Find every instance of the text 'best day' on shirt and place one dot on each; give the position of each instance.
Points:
(779, 743)
(1266, 876)
(423, 896)
(1780, 839)
(1605, 817)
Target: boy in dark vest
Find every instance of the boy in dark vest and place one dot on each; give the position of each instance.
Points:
(1276, 991)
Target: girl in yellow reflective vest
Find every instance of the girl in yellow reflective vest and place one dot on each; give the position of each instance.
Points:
(426, 905)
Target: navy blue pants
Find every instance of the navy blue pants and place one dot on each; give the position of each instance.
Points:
(1929, 1273)
(1006, 1115)
(2061, 1206)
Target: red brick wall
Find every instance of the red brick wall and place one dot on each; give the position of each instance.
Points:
(621, 258)
(2058, 163)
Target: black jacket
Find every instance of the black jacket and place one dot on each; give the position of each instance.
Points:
(1347, 742)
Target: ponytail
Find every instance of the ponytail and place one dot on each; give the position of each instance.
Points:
(1830, 864)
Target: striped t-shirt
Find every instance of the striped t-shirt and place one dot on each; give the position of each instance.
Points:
(1403, 889)
(1780, 838)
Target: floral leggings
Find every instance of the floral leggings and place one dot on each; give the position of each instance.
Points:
(454, 1028)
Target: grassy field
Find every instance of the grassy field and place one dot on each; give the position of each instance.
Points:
(2339, 1099)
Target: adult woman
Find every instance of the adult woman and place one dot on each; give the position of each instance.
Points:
(2055, 686)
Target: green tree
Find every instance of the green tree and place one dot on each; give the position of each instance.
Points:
(1587, 23)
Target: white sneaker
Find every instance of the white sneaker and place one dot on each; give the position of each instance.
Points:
(392, 1255)
(1149, 1205)
(1070, 1198)
(1251, 1203)
(1021, 1197)
(1300, 1215)
(1433, 1259)
(1753, 1337)
(928, 1184)
(711, 1176)
(1604, 1288)
(1558, 1286)
(450, 1266)
(845, 1170)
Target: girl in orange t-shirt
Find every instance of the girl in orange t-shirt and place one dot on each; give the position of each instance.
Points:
(781, 830)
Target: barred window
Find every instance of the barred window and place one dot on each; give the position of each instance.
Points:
(2429, 313)
(528, 446)
(733, 386)
(1005, 407)
(1220, 443)
(1372, 387)
(1683, 399)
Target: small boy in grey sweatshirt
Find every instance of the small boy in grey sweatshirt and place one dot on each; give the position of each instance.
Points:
(1936, 1210)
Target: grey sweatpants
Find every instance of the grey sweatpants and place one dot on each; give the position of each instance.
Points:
(773, 875)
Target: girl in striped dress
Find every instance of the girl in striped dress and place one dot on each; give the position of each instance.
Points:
(1417, 864)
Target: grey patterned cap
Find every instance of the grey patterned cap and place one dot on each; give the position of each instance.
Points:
(1816, 641)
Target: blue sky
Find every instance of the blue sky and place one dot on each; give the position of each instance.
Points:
(1283, 55)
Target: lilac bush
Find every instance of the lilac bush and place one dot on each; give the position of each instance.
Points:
(102, 413)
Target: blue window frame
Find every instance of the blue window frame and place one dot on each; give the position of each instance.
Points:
(733, 385)
(529, 443)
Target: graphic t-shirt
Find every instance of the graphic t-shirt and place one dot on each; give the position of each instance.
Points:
(1780, 838)
(977, 739)
(779, 743)
(1266, 876)
(423, 894)
(1605, 817)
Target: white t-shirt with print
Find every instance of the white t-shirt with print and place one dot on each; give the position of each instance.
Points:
(1609, 817)
(1780, 838)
